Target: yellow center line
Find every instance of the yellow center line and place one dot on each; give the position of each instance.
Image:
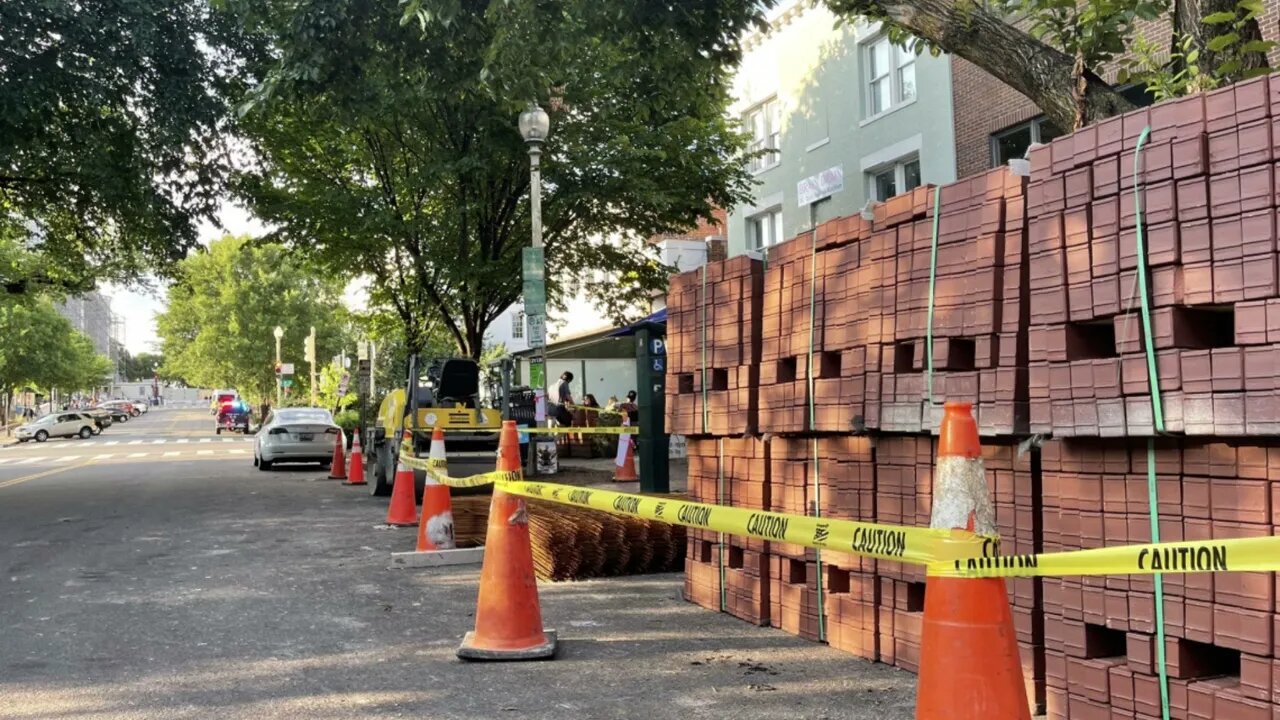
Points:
(46, 473)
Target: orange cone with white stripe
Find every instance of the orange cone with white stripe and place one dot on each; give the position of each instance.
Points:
(435, 528)
(508, 616)
(624, 467)
(969, 664)
(403, 510)
(338, 465)
(355, 476)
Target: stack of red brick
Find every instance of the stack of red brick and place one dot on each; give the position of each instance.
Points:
(1220, 628)
(1037, 320)
(1209, 222)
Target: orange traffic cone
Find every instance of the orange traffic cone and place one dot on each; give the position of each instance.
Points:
(508, 617)
(338, 466)
(435, 528)
(624, 470)
(403, 510)
(356, 473)
(969, 664)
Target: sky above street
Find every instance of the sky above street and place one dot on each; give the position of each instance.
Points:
(139, 306)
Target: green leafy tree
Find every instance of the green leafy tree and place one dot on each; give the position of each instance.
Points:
(41, 349)
(141, 367)
(217, 330)
(113, 122)
(390, 148)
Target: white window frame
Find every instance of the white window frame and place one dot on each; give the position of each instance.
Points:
(769, 137)
(517, 326)
(899, 60)
(771, 216)
(899, 169)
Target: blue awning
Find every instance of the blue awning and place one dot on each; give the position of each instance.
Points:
(656, 319)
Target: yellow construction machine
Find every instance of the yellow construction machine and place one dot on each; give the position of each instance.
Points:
(446, 395)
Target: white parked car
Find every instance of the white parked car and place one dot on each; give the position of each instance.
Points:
(295, 435)
(60, 424)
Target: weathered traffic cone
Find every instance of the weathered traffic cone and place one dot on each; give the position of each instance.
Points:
(508, 616)
(403, 510)
(624, 467)
(338, 465)
(969, 664)
(435, 528)
(355, 476)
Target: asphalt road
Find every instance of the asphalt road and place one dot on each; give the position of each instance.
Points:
(135, 583)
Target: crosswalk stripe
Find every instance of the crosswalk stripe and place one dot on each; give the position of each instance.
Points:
(171, 453)
(159, 442)
(204, 452)
(28, 461)
(239, 452)
(104, 456)
(67, 458)
(183, 440)
(138, 455)
(135, 442)
(205, 440)
(112, 442)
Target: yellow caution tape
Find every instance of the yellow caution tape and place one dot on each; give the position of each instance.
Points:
(888, 542)
(613, 430)
(432, 465)
(1239, 555)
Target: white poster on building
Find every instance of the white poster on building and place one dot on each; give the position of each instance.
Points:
(823, 185)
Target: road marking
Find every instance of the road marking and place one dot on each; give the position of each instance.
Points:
(46, 473)
(104, 456)
(67, 458)
(138, 455)
(171, 453)
(204, 452)
(239, 452)
(112, 442)
(28, 461)
(159, 442)
(135, 442)
(205, 440)
(183, 440)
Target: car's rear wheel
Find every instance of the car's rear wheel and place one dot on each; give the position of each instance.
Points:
(41, 436)
(264, 465)
(86, 432)
(124, 418)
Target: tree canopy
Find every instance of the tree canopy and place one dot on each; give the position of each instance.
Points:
(41, 349)
(224, 306)
(391, 148)
(113, 126)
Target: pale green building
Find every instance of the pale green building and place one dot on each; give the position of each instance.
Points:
(819, 95)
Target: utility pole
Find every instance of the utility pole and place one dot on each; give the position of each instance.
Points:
(534, 128)
(310, 347)
(278, 333)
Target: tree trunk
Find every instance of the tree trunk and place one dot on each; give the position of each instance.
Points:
(1186, 21)
(966, 29)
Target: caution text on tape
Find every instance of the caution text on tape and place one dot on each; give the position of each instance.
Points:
(888, 542)
(1260, 554)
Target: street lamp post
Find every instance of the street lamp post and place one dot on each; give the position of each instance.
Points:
(535, 125)
(279, 333)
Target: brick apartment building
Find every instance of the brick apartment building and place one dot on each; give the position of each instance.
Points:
(994, 122)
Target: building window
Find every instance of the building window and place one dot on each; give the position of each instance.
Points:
(764, 122)
(891, 74)
(1012, 143)
(764, 229)
(888, 180)
(517, 326)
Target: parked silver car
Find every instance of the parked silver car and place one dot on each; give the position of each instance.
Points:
(59, 424)
(295, 435)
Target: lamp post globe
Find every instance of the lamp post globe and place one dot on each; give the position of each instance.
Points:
(278, 332)
(535, 125)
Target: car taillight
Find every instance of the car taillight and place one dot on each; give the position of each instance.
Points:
(331, 431)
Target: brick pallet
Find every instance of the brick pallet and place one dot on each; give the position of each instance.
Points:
(1220, 628)
(1036, 319)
